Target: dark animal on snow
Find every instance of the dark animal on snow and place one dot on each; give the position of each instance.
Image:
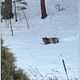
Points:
(53, 40)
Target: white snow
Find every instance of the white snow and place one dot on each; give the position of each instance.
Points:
(28, 47)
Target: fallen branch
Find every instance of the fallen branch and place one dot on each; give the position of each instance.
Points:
(65, 69)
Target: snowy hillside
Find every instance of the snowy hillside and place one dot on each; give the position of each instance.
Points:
(27, 44)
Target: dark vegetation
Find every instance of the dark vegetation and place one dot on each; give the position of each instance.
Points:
(9, 71)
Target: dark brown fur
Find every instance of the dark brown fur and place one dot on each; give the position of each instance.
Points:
(50, 40)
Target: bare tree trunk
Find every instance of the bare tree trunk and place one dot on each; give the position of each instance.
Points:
(43, 9)
(8, 9)
(15, 12)
(11, 27)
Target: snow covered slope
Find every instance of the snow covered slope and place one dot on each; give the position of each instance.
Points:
(27, 44)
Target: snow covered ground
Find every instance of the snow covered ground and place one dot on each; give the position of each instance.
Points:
(27, 44)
